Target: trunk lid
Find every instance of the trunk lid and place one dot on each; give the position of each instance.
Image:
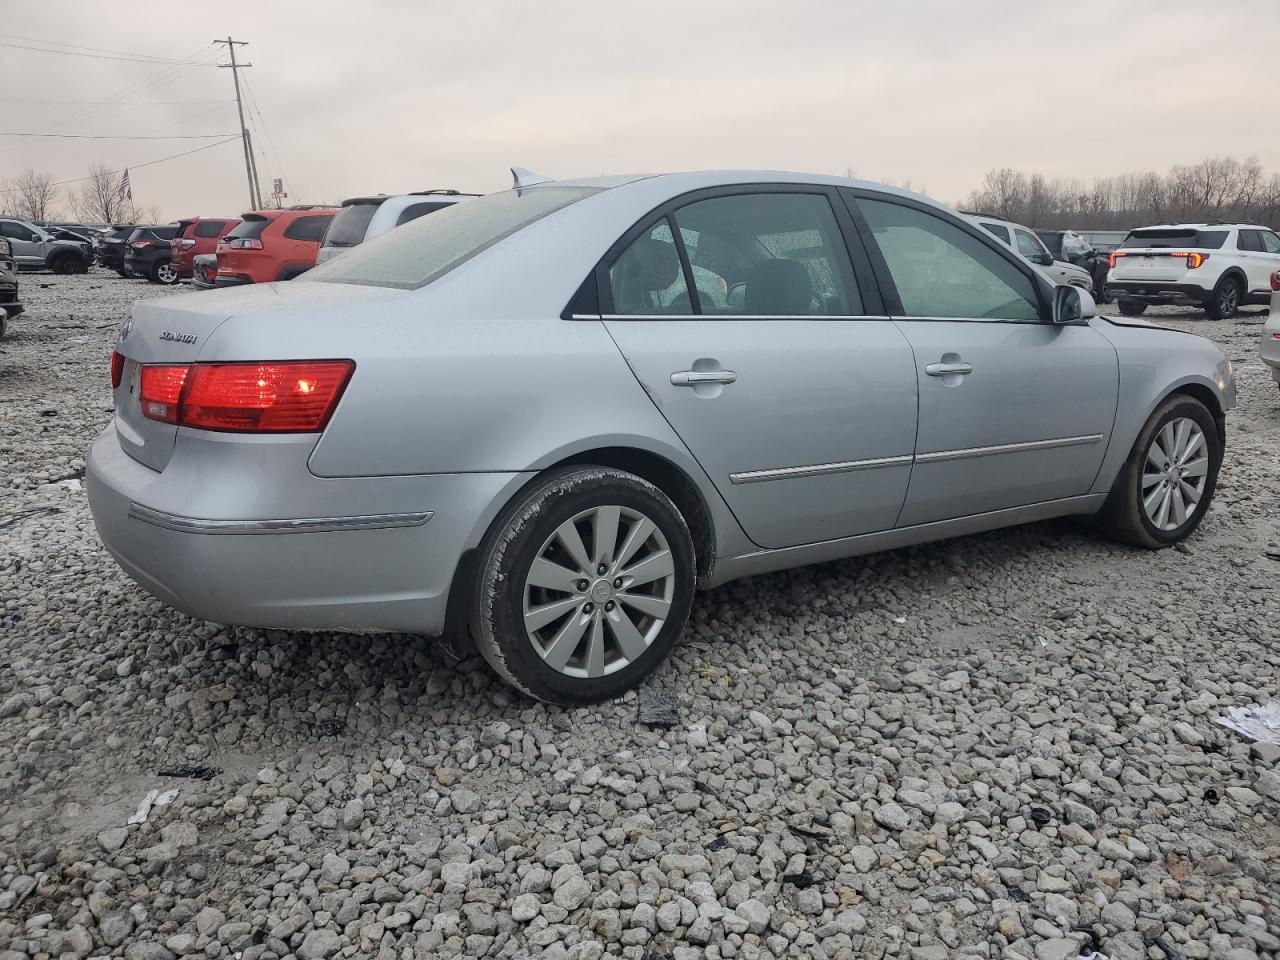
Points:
(177, 329)
(1149, 264)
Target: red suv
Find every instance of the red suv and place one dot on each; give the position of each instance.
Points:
(272, 245)
(195, 236)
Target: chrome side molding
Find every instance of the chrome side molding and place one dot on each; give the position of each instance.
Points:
(379, 521)
(941, 455)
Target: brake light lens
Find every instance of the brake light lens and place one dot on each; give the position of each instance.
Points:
(1116, 255)
(185, 244)
(161, 390)
(245, 243)
(1194, 260)
(117, 368)
(275, 397)
(141, 244)
(1275, 280)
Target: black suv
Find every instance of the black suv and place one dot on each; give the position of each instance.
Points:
(148, 251)
(109, 248)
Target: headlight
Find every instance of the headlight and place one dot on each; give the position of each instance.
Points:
(4, 247)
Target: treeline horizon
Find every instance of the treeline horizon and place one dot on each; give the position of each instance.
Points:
(1219, 188)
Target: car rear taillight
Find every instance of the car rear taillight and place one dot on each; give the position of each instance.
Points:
(1195, 260)
(161, 390)
(245, 243)
(141, 244)
(1114, 256)
(289, 396)
(184, 244)
(117, 368)
(1275, 280)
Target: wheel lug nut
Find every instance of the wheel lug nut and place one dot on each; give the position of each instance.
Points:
(617, 584)
(601, 569)
(609, 605)
(582, 586)
(588, 607)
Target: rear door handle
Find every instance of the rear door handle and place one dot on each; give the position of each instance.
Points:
(942, 369)
(691, 378)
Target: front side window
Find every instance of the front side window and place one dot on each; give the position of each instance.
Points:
(1028, 245)
(1270, 242)
(429, 247)
(308, 228)
(768, 255)
(647, 279)
(941, 270)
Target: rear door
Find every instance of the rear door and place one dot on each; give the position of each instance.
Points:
(1014, 410)
(740, 314)
(1257, 262)
(1271, 250)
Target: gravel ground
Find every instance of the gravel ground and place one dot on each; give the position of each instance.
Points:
(999, 746)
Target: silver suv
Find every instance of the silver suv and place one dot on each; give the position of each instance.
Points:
(363, 218)
(35, 248)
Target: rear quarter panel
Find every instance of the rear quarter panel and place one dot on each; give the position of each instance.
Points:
(1155, 362)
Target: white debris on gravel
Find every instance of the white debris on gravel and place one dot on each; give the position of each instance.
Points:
(1259, 722)
(1000, 746)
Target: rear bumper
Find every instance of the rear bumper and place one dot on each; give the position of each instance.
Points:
(112, 260)
(232, 280)
(137, 265)
(1157, 292)
(240, 532)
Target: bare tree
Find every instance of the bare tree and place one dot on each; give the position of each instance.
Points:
(99, 199)
(32, 196)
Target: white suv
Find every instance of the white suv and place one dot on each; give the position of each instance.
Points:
(1023, 240)
(363, 218)
(1217, 266)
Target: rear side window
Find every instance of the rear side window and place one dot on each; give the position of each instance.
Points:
(998, 231)
(1250, 240)
(209, 228)
(416, 210)
(768, 254)
(647, 279)
(249, 228)
(429, 247)
(348, 226)
(1174, 237)
(308, 228)
(941, 270)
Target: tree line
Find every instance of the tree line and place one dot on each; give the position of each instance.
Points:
(1220, 188)
(95, 198)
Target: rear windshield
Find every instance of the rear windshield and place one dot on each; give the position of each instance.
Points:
(1168, 237)
(348, 226)
(166, 232)
(429, 247)
(249, 228)
(121, 233)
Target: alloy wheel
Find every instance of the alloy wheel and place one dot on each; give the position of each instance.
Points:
(1175, 473)
(166, 274)
(599, 591)
(1228, 299)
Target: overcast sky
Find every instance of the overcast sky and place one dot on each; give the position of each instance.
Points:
(361, 96)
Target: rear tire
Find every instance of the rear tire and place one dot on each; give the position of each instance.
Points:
(1225, 300)
(1126, 515)
(546, 618)
(1132, 308)
(163, 272)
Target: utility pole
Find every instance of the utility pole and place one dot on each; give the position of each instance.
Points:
(255, 202)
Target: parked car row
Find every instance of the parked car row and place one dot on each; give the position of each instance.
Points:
(35, 248)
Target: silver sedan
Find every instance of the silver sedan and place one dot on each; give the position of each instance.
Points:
(539, 420)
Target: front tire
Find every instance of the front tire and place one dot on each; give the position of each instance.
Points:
(583, 585)
(1132, 308)
(1225, 300)
(64, 264)
(1168, 480)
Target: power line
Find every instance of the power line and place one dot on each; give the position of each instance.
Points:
(94, 56)
(80, 46)
(140, 103)
(149, 163)
(253, 100)
(94, 136)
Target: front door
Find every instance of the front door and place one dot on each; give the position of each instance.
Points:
(1014, 410)
(28, 251)
(740, 316)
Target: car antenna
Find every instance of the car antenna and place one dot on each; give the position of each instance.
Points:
(526, 178)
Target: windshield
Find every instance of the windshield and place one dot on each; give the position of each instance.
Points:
(348, 227)
(429, 247)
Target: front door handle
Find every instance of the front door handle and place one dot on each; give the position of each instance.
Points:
(691, 378)
(942, 369)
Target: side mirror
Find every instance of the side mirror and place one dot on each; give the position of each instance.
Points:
(1073, 304)
(1043, 259)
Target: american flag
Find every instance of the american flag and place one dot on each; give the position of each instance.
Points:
(124, 190)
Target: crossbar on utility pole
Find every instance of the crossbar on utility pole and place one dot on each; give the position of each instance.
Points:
(255, 200)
